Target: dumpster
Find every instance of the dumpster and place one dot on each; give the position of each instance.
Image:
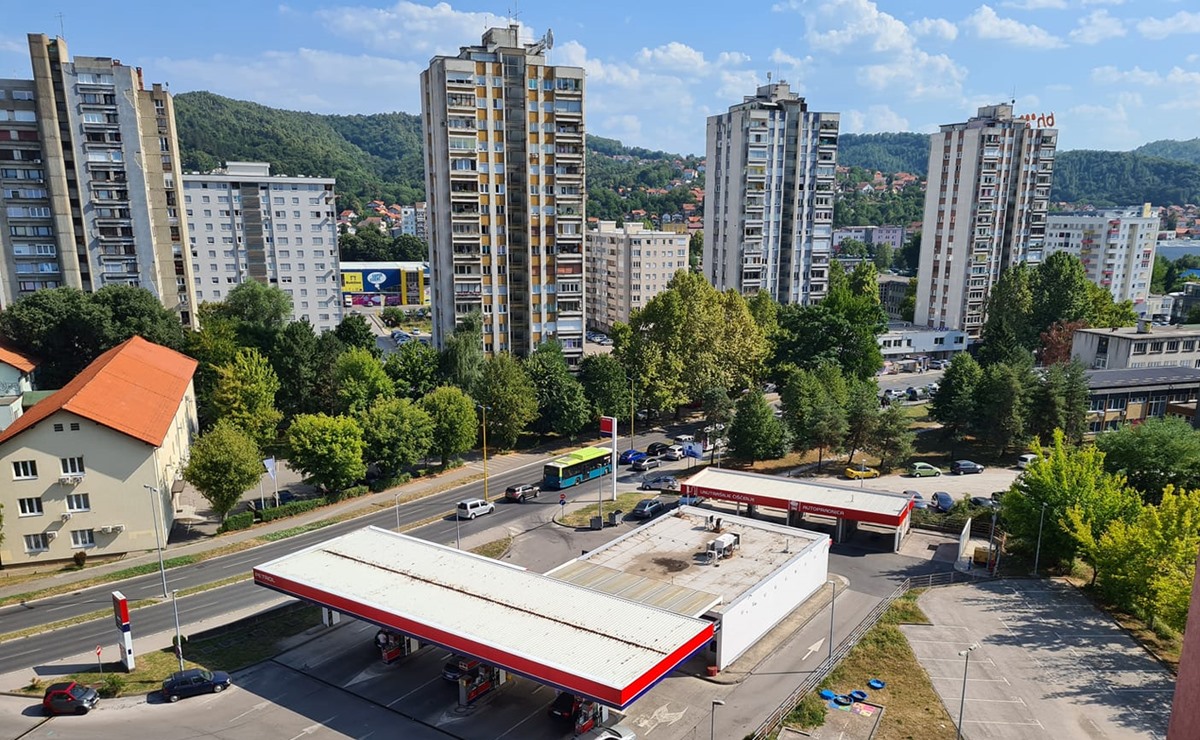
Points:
(614, 517)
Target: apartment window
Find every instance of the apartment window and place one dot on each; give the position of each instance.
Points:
(72, 465)
(1189, 345)
(79, 502)
(24, 469)
(83, 538)
(1156, 347)
(1173, 345)
(1139, 348)
(30, 506)
(37, 542)
(59, 427)
(1116, 403)
(1097, 404)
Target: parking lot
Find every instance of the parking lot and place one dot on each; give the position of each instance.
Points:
(992, 479)
(1048, 665)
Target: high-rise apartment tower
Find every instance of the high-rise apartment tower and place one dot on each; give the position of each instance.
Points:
(985, 210)
(768, 196)
(89, 180)
(504, 182)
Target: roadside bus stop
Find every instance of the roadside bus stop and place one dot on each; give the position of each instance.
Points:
(846, 505)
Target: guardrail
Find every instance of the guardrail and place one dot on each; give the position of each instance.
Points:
(775, 720)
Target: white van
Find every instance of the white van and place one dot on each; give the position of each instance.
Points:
(1024, 461)
(474, 507)
(685, 438)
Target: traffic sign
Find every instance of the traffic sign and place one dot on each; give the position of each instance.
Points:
(562, 499)
(99, 648)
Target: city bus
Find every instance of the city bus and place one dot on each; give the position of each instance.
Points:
(577, 467)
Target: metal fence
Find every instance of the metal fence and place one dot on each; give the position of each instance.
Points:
(775, 720)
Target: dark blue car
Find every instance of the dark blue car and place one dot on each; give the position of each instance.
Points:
(942, 501)
(629, 457)
(193, 682)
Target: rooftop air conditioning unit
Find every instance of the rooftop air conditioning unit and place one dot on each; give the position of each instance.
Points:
(724, 546)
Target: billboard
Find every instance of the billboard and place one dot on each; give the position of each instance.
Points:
(385, 284)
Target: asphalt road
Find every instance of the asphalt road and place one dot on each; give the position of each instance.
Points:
(51, 646)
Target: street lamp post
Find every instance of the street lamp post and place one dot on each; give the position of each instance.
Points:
(484, 409)
(162, 569)
(962, 701)
(457, 532)
(398, 512)
(1037, 553)
(832, 603)
(178, 637)
(712, 723)
(632, 410)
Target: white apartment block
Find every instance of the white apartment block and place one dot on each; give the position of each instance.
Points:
(1116, 247)
(413, 220)
(504, 182)
(985, 210)
(769, 191)
(247, 224)
(89, 164)
(626, 267)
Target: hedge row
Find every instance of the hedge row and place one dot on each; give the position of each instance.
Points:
(291, 509)
(245, 520)
(382, 484)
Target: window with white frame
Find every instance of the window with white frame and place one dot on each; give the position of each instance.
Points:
(72, 465)
(37, 542)
(30, 506)
(83, 538)
(79, 502)
(24, 469)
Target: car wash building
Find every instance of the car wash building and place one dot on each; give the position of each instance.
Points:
(847, 506)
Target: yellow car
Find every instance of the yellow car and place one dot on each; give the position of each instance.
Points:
(861, 472)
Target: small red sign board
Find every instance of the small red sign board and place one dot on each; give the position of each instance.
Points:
(608, 425)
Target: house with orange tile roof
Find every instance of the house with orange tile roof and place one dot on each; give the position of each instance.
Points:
(16, 379)
(92, 466)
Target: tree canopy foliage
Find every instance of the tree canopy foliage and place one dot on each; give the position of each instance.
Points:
(886, 152)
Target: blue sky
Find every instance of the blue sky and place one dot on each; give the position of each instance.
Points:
(1115, 74)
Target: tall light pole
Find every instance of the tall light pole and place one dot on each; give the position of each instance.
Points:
(632, 412)
(162, 569)
(712, 723)
(484, 409)
(832, 602)
(1037, 554)
(178, 637)
(962, 701)
(398, 512)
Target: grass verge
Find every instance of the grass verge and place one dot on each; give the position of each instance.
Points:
(226, 648)
(283, 534)
(494, 549)
(119, 575)
(70, 622)
(913, 708)
(625, 502)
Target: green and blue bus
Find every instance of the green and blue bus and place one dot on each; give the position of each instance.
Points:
(576, 467)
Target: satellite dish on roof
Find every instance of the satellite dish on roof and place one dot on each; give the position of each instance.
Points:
(548, 39)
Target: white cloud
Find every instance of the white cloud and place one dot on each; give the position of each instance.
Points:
(263, 79)
(857, 24)
(1085, 3)
(935, 27)
(674, 56)
(987, 25)
(574, 54)
(1111, 125)
(1176, 77)
(1096, 27)
(874, 119)
(1160, 28)
(920, 76)
(1036, 4)
(412, 28)
(733, 84)
(732, 58)
(791, 68)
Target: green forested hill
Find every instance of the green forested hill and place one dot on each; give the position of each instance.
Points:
(1180, 151)
(893, 152)
(1123, 178)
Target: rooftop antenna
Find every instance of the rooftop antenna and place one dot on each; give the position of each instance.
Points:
(62, 33)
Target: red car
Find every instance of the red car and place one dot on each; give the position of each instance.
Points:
(69, 698)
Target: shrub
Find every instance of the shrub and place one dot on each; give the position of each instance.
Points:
(245, 520)
(352, 492)
(393, 316)
(291, 509)
(382, 484)
(80, 558)
(112, 685)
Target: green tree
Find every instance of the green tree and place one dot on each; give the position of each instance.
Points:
(1001, 406)
(1076, 399)
(605, 386)
(563, 407)
(765, 311)
(891, 439)
(1048, 404)
(354, 331)
(325, 394)
(882, 255)
(1153, 455)
(1009, 329)
(294, 359)
(223, 464)
(396, 434)
(136, 311)
(718, 406)
(327, 449)
(755, 433)
(510, 397)
(908, 307)
(62, 327)
(454, 421)
(1060, 292)
(954, 403)
(1061, 478)
(245, 395)
(413, 368)
(862, 415)
(462, 356)
(216, 344)
(1103, 312)
(813, 413)
(696, 250)
(359, 380)
(409, 248)
(259, 311)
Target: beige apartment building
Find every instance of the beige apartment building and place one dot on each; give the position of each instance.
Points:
(626, 267)
(1116, 247)
(504, 182)
(768, 194)
(89, 180)
(1141, 346)
(985, 210)
(92, 467)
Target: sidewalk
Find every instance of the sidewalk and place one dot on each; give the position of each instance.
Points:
(470, 471)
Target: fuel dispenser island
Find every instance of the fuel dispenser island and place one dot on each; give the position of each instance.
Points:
(393, 646)
(480, 681)
(591, 716)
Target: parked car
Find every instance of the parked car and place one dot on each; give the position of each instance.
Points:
(646, 463)
(922, 470)
(942, 501)
(674, 452)
(566, 706)
(660, 483)
(69, 698)
(630, 456)
(963, 467)
(194, 682)
(458, 666)
(1024, 461)
(917, 499)
(654, 449)
(998, 496)
(647, 508)
(684, 438)
(862, 471)
(522, 492)
(474, 507)
(984, 503)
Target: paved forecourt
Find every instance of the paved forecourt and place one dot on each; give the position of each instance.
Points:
(1048, 665)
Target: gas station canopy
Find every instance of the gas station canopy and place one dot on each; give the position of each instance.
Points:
(602, 647)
